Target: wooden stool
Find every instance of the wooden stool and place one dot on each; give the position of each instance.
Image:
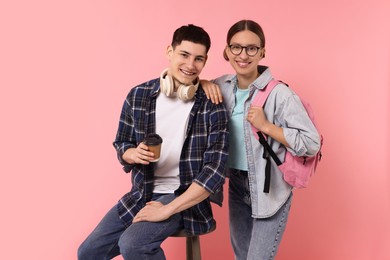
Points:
(192, 244)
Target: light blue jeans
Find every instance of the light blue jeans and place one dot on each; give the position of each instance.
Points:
(253, 238)
(139, 241)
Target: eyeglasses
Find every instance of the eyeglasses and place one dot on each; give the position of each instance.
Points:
(250, 50)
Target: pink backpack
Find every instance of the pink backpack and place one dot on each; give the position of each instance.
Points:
(296, 169)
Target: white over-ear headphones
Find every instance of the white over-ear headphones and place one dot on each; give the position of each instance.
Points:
(184, 92)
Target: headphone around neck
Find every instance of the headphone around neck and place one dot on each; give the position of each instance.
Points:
(184, 92)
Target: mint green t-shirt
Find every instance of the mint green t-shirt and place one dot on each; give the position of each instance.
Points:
(237, 153)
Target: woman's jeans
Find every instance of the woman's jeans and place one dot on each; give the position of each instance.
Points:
(139, 241)
(253, 238)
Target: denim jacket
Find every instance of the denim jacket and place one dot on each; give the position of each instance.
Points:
(284, 108)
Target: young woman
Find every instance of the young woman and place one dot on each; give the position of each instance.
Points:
(258, 219)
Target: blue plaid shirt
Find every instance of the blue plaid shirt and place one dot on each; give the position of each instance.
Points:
(202, 160)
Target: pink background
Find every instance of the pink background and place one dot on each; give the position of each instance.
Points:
(66, 67)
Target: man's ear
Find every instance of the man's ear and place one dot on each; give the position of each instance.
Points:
(169, 51)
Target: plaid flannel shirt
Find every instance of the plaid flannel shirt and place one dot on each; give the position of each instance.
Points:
(203, 157)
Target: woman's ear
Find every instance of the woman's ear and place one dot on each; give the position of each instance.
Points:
(225, 54)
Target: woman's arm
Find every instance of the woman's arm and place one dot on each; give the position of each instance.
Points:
(257, 118)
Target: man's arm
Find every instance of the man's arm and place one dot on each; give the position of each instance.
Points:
(129, 150)
(155, 211)
(125, 138)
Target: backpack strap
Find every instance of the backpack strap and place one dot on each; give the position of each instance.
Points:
(267, 151)
(261, 97)
(259, 100)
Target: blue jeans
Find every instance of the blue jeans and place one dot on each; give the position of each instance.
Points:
(252, 238)
(139, 241)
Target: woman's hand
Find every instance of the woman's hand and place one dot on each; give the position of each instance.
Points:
(212, 91)
(257, 118)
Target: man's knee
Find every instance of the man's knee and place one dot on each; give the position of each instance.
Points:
(84, 251)
(91, 249)
(128, 244)
(132, 247)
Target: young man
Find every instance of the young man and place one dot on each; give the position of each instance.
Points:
(170, 194)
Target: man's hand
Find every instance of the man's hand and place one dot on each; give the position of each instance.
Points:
(139, 155)
(154, 211)
(212, 91)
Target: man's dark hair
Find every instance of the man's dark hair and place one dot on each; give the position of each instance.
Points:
(193, 34)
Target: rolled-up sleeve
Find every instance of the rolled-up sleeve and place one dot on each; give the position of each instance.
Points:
(212, 175)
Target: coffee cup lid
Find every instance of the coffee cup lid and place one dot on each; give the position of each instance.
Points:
(153, 139)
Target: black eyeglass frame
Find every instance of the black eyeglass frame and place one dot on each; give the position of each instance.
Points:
(244, 47)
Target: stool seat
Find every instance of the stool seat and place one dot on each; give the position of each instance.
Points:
(192, 244)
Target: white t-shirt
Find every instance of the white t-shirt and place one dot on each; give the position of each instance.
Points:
(171, 124)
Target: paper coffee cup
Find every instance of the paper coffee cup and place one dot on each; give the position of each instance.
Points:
(154, 141)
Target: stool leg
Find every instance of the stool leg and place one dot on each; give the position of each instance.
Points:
(193, 248)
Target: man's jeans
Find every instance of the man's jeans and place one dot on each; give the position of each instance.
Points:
(140, 240)
(252, 239)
